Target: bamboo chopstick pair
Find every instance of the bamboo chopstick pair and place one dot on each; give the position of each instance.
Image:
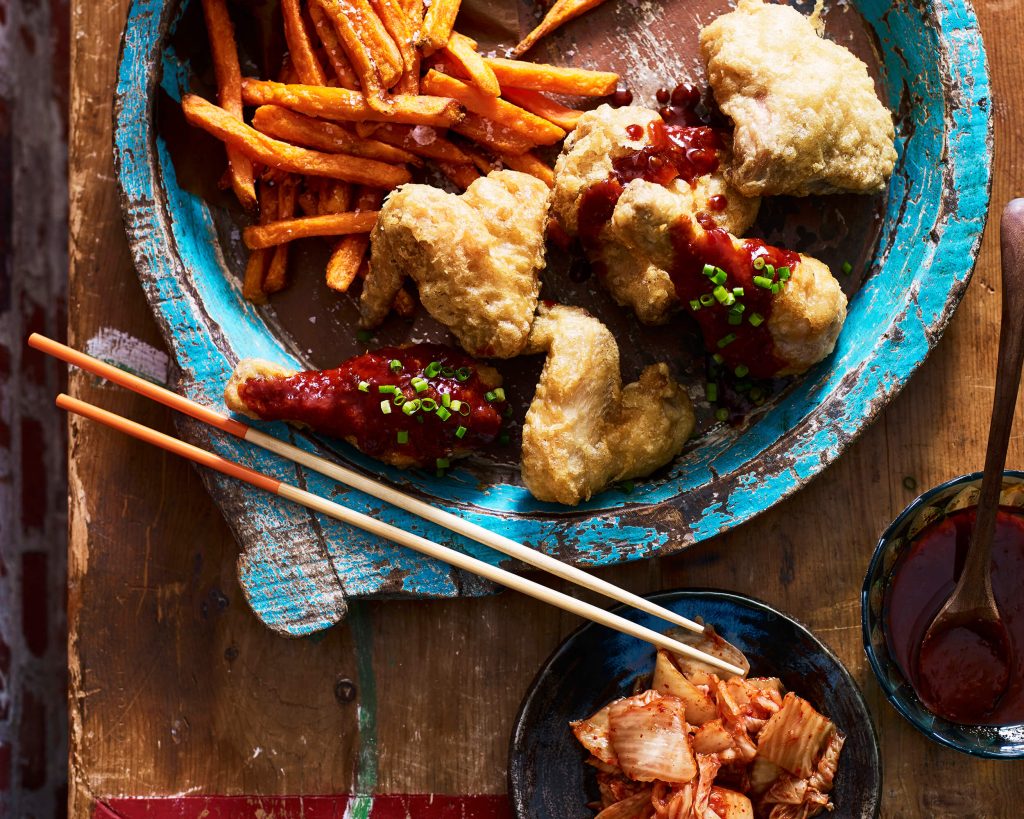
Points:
(378, 490)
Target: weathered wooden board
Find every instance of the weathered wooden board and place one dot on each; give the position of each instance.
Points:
(299, 569)
(177, 687)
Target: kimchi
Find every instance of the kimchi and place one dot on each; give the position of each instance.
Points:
(697, 746)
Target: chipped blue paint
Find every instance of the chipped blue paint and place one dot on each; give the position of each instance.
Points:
(298, 570)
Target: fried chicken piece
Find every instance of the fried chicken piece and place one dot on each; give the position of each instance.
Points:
(346, 402)
(806, 114)
(474, 257)
(802, 321)
(602, 139)
(584, 430)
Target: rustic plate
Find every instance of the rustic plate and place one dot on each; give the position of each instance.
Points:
(547, 777)
(913, 251)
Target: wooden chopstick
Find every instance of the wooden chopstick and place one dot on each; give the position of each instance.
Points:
(473, 531)
(386, 530)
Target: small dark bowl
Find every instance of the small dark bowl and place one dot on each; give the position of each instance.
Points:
(547, 776)
(994, 742)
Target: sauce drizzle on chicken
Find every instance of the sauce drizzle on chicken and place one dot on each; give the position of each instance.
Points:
(747, 342)
(421, 424)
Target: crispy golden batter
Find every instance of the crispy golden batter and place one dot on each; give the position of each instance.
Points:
(806, 316)
(806, 114)
(632, 279)
(474, 257)
(584, 430)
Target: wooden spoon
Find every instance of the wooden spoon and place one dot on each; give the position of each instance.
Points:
(964, 662)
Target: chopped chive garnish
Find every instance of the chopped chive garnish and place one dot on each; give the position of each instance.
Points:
(769, 269)
(722, 414)
(847, 267)
(447, 372)
(508, 411)
(735, 319)
(395, 365)
(720, 294)
(500, 393)
(464, 409)
(399, 399)
(711, 391)
(737, 308)
(776, 288)
(756, 394)
(741, 370)
(433, 368)
(783, 273)
(720, 276)
(503, 439)
(759, 263)
(460, 431)
(695, 305)
(726, 340)
(402, 436)
(387, 388)
(443, 414)
(762, 281)
(419, 384)
(410, 407)
(707, 299)
(364, 335)
(756, 319)
(456, 405)
(737, 292)
(442, 463)
(428, 404)
(364, 386)
(627, 487)
(718, 358)
(463, 373)
(446, 400)
(490, 395)
(385, 407)
(709, 270)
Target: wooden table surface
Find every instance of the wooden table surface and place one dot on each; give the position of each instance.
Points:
(177, 689)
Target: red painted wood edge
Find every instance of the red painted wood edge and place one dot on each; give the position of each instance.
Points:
(391, 806)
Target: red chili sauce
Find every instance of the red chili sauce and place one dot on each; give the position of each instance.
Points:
(922, 580)
(331, 402)
(746, 344)
(672, 152)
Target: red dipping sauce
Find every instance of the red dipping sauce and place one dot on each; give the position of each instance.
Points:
(922, 580)
(331, 402)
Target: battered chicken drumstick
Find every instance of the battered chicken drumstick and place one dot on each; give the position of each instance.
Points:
(611, 151)
(414, 406)
(584, 430)
(806, 114)
(475, 258)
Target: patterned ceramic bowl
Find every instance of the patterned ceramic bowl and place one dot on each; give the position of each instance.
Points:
(996, 742)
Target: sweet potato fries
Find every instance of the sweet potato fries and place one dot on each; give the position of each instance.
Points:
(371, 90)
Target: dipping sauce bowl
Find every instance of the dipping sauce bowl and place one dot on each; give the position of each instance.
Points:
(910, 576)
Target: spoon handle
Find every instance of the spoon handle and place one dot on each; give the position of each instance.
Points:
(1008, 373)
